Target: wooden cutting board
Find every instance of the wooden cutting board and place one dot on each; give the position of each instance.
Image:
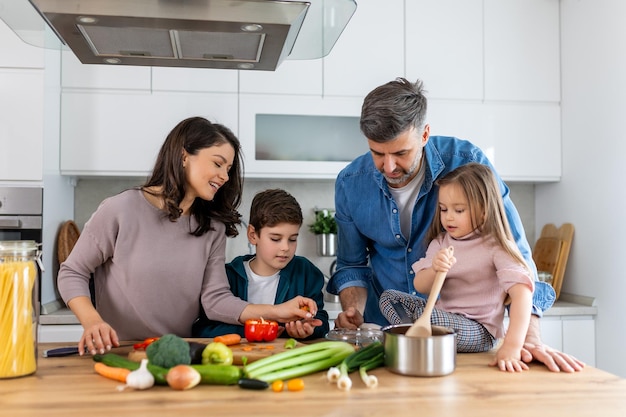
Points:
(255, 351)
(252, 351)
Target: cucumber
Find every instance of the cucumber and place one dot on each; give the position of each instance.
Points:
(117, 361)
(218, 374)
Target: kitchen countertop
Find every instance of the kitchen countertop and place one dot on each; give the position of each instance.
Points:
(566, 305)
(69, 387)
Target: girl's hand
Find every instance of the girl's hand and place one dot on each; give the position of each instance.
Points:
(443, 261)
(301, 329)
(509, 360)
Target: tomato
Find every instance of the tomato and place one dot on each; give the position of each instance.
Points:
(278, 385)
(295, 384)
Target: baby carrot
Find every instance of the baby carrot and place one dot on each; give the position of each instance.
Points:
(118, 374)
(228, 339)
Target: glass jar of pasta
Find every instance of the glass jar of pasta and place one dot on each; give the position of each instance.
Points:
(19, 307)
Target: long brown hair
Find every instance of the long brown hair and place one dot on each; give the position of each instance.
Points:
(486, 208)
(192, 135)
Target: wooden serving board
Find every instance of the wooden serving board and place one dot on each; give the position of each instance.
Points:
(252, 351)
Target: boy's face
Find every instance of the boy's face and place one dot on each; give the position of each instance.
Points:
(275, 247)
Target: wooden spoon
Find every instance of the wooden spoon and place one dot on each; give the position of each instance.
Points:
(422, 326)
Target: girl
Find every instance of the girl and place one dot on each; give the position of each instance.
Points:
(485, 267)
(157, 251)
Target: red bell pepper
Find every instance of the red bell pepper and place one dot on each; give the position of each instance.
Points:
(260, 330)
(143, 345)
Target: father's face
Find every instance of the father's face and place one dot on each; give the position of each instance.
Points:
(399, 159)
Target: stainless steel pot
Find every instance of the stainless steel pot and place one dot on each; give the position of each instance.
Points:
(419, 356)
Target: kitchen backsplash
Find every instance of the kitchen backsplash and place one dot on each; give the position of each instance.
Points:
(311, 194)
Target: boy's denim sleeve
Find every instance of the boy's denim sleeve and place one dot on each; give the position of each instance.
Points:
(543, 298)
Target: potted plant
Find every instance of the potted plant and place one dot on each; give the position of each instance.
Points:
(325, 229)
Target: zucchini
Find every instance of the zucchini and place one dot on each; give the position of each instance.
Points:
(117, 361)
(218, 374)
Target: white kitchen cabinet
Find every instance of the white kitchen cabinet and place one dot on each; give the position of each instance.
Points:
(194, 80)
(522, 50)
(75, 74)
(334, 130)
(522, 140)
(579, 338)
(292, 77)
(120, 134)
(16, 53)
(21, 124)
(444, 47)
(369, 52)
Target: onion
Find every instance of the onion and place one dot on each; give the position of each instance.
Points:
(182, 377)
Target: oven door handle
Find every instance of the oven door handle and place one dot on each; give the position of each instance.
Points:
(11, 223)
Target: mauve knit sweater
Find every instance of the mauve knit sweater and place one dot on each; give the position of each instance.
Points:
(151, 275)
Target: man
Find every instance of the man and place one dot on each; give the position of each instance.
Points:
(385, 201)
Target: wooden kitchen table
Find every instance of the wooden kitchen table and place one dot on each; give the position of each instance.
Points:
(69, 387)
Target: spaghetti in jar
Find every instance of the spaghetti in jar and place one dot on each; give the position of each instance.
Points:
(19, 308)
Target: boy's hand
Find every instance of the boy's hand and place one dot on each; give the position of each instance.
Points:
(301, 329)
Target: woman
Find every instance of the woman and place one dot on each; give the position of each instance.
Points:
(157, 252)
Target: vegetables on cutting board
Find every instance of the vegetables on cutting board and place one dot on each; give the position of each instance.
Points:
(217, 369)
(299, 361)
(260, 330)
(228, 339)
(217, 353)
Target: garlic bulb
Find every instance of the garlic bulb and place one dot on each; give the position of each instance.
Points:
(140, 378)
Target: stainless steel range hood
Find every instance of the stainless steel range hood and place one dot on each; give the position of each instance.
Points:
(227, 34)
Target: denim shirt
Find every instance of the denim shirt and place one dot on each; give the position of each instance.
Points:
(372, 252)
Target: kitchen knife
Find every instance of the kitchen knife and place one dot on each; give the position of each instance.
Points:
(66, 351)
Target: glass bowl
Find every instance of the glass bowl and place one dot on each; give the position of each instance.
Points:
(358, 337)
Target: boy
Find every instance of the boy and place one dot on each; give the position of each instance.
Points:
(274, 274)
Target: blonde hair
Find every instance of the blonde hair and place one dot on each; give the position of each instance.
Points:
(486, 207)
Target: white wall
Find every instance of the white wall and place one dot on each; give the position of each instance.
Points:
(591, 194)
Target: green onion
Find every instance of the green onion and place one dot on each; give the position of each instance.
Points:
(299, 361)
(369, 357)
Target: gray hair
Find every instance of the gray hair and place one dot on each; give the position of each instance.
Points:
(392, 108)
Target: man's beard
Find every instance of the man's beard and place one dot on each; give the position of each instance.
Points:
(407, 174)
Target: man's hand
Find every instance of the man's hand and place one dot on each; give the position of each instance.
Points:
(352, 302)
(553, 359)
(349, 319)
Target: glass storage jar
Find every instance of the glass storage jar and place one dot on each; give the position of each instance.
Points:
(19, 307)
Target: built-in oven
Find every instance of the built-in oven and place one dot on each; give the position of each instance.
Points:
(21, 212)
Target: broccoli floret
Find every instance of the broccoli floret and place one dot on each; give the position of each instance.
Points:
(170, 350)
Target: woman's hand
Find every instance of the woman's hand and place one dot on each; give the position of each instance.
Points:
(98, 337)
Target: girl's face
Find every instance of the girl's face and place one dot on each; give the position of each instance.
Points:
(454, 210)
(275, 247)
(207, 171)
